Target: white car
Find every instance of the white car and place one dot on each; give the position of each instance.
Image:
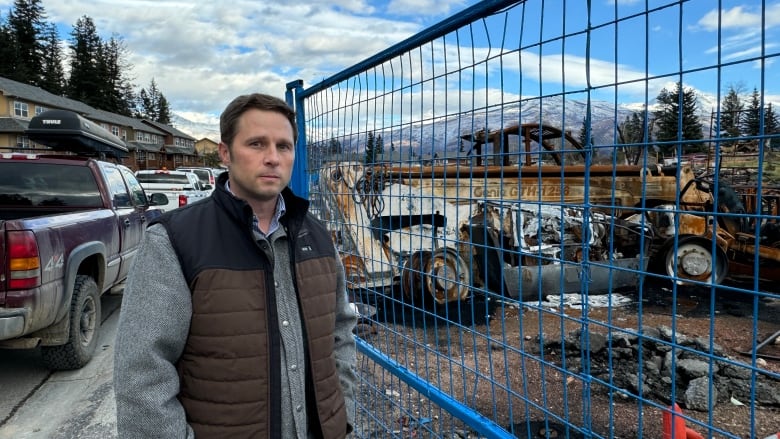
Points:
(207, 176)
(180, 187)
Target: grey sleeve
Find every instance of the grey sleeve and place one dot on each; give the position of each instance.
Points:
(344, 347)
(153, 326)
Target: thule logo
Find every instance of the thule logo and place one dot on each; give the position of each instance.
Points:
(51, 121)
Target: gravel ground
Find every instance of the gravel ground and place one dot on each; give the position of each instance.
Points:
(498, 368)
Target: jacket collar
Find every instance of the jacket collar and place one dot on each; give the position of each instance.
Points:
(240, 210)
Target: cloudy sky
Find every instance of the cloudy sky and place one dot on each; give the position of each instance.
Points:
(203, 53)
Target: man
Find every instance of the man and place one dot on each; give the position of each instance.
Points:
(235, 320)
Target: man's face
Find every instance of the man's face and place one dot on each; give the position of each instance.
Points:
(260, 161)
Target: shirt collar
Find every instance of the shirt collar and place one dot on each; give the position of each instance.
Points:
(280, 210)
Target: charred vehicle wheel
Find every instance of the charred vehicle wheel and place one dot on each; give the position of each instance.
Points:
(84, 327)
(447, 277)
(693, 260)
(412, 275)
(440, 275)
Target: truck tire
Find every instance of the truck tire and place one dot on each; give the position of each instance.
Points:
(84, 327)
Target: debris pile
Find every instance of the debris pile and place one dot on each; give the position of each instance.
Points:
(701, 371)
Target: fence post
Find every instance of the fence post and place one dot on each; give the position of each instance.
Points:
(299, 183)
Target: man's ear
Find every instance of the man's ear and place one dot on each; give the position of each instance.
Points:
(224, 153)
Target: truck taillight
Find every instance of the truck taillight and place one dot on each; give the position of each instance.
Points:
(24, 262)
(182, 200)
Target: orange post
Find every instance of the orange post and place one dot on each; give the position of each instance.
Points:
(673, 417)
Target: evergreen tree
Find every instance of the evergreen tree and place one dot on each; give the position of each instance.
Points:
(26, 21)
(85, 77)
(751, 120)
(379, 146)
(668, 117)
(772, 126)
(333, 147)
(7, 50)
(117, 91)
(730, 114)
(370, 151)
(583, 136)
(152, 105)
(631, 132)
(53, 74)
(163, 111)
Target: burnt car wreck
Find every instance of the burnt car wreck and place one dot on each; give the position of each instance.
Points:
(541, 224)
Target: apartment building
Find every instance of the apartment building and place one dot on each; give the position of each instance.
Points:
(151, 145)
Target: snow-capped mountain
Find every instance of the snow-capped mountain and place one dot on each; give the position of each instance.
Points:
(198, 130)
(444, 134)
(568, 115)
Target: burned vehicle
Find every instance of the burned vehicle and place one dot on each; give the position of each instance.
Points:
(528, 222)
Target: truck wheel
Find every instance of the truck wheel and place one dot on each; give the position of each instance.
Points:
(694, 261)
(84, 327)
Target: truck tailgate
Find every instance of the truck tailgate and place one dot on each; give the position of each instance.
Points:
(3, 268)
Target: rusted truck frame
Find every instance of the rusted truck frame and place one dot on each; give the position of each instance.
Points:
(524, 228)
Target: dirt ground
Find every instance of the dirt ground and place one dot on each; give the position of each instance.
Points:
(499, 369)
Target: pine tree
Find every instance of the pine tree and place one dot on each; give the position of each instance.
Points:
(163, 111)
(730, 114)
(583, 136)
(117, 91)
(370, 151)
(333, 147)
(53, 74)
(85, 81)
(668, 116)
(7, 50)
(152, 105)
(26, 21)
(772, 126)
(379, 146)
(632, 133)
(751, 120)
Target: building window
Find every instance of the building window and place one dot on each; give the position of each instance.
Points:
(147, 137)
(21, 109)
(23, 142)
(39, 109)
(141, 156)
(139, 136)
(152, 156)
(124, 134)
(115, 130)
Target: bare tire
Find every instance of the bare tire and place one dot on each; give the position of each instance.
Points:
(447, 277)
(84, 327)
(695, 261)
(412, 276)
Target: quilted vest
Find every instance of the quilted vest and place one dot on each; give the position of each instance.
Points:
(229, 369)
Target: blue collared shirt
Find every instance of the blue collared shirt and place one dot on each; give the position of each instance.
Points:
(281, 208)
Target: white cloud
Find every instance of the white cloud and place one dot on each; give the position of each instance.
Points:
(202, 54)
(425, 7)
(740, 17)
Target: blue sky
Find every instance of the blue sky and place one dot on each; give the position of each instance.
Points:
(204, 53)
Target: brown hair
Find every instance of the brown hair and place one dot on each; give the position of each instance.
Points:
(228, 120)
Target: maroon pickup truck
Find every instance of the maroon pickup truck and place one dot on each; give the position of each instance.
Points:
(70, 227)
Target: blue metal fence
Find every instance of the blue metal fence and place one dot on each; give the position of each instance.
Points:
(559, 219)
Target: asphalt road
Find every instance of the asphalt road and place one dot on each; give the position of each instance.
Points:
(37, 403)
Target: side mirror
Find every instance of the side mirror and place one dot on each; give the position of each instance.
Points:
(158, 199)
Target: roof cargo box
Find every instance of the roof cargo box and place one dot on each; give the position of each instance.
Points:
(64, 130)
